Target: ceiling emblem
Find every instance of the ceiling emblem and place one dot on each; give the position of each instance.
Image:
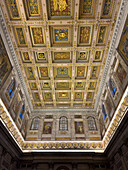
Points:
(59, 57)
(47, 96)
(60, 9)
(33, 86)
(90, 96)
(78, 96)
(62, 96)
(61, 36)
(79, 85)
(63, 85)
(45, 85)
(85, 35)
(94, 72)
(92, 86)
(83, 56)
(81, 72)
(62, 72)
(41, 57)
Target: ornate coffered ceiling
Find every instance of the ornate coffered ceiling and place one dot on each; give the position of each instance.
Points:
(62, 47)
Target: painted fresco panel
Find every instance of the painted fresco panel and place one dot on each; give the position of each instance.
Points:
(123, 44)
(79, 128)
(47, 128)
(121, 73)
(5, 65)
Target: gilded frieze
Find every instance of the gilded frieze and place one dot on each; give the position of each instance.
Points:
(60, 9)
(37, 36)
(102, 34)
(13, 9)
(85, 35)
(61, 36)
(87, 9)
(20, 36)
(33, 9)
(43, 72)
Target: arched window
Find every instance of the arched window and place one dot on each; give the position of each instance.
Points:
(35, 123)
(22, 112)
(63, 123)
(104, 112)
(91, 123)
(112, 87)
(11, 89)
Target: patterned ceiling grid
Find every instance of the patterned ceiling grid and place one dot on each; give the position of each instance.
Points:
(61, 46)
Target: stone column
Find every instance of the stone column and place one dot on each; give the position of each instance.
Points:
(40, 127)
(72, 128)
(53, 135)
(85, 127)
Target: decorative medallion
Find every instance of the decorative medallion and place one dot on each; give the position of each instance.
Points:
(61, 36)
(85, 35)
(62, 96)
(62, 72)
(78, 96)
(41, 57)
(82, 56)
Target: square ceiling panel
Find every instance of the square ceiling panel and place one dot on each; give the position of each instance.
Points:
(61, 47)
